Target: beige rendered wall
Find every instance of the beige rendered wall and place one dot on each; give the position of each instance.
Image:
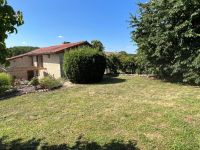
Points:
(25, 61)
(19, 74)
(51, 63)
(17, 64)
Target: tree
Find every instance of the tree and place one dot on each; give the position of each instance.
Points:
(121, 62)
(9, 19)
(167, 34)
(112, 63)
(97, 45)
(123, 52)
(127, 63)
(18, 50)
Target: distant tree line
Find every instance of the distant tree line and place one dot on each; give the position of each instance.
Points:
(18, 50)
(167, 33)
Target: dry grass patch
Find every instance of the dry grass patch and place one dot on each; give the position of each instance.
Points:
(158, 115)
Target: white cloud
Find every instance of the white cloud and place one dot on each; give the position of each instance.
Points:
(60, 36)
(24, 43)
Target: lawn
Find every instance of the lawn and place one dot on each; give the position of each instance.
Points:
(115, 113)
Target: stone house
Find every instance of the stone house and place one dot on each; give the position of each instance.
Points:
(41, 62)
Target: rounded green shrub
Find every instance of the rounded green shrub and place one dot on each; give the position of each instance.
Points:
(5, 82)
(84, 65)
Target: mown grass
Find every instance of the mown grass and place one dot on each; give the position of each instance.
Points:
(156, 114)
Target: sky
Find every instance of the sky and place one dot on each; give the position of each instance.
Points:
(51, 22)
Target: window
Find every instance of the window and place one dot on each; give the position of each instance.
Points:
(39, 61)
(32, 61)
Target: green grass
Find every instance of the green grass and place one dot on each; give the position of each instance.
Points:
(156, 114)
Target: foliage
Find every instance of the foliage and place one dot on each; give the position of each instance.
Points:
(5, 82)
(9, 19)
(121, 61)
(127, 63)
(112, 63)
(18, 50)
(168, 34)
(84, 65)
(50, 83)
(123, 53)
(34, 81)
(98, 45)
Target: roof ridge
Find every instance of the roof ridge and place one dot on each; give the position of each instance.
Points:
(50, 49)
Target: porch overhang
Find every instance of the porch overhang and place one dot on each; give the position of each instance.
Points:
(26, 69)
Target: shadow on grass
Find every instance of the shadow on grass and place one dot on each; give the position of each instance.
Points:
(37, 144)
(111, 79)
(175, 82)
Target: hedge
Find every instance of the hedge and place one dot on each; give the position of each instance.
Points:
(84, 65)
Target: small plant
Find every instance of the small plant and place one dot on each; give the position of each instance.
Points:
(50, 83)
(5, 82)
(34, 81)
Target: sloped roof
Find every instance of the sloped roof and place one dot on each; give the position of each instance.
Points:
(51, 49)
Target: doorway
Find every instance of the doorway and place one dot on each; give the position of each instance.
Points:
(30, 74)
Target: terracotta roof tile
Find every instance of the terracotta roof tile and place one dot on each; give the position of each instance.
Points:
(51, 49)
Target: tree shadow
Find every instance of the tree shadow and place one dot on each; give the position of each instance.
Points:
(177, 82)
(38, 144)
(111, 79)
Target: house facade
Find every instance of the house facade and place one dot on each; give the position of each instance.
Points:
(42, 62)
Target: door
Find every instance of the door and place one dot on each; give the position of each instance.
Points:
(61, 57)
(30, 74)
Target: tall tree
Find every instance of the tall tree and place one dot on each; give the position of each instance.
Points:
(167, 33)
(98, 45)
(9, 19)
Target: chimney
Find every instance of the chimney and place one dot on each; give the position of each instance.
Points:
(65, 42)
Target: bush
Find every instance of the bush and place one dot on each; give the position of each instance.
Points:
(5, 82)
(112, 64)
(84, 65)
(34, 81)
(50, 83)
(127, 63)
(122, 61)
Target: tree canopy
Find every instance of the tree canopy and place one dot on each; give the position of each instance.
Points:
(122, 62)
(18, 50)
(9, 19)
(97, 45)
(167, 33)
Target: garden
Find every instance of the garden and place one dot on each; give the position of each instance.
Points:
(126, 111)
(118, 101)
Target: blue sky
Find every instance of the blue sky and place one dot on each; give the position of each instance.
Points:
(50, 22)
